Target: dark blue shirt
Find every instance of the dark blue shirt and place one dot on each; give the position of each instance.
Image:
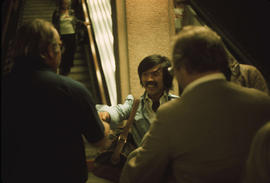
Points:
(44, 116)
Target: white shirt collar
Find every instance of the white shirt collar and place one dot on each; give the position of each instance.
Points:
(201, 80)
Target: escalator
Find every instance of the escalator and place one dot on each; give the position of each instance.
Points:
(83, 69)
(42, 9)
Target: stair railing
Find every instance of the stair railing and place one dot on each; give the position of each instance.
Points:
(93, 50)
(9, 25)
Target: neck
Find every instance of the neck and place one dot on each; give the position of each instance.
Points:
(155, 98)
(194, 76)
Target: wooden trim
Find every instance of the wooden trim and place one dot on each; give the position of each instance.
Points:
(93, 50)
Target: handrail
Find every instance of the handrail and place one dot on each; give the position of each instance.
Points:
(9, 25)
(93, 50)
(4, 29)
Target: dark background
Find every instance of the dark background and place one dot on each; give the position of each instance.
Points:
(244, 26)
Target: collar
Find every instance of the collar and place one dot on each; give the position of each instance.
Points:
(30, 63)
(204, 79)
(162, 99)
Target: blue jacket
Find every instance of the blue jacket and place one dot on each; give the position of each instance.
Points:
(121, 112)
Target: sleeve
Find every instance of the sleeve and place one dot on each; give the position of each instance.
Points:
(91, 126)
(119, 112)
(149, 162)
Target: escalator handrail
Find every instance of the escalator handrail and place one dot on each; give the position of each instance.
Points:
(93, 50)
(6, 22)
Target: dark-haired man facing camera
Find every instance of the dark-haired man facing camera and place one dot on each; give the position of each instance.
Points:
(156, 78)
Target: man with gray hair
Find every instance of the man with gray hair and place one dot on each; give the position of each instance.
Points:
(44, 115)
(205, 135)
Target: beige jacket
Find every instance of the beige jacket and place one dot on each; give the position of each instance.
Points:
(202, 137)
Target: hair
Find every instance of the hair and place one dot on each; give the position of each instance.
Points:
(199, 49)
(33, 38)
(153, 60)
(60, 2)
(258, 163)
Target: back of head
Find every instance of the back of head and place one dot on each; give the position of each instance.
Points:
(33, 38)
(258, 164)
(153, 60)
(199, 49)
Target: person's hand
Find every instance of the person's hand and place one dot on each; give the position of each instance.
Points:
(107, 132)
(104, 116)
(106, 142)
(107, 129)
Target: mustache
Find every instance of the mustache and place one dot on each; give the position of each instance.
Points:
(150, 83)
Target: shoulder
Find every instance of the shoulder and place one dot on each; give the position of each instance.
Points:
(71, 11)
(245, 69)
(248, 93)
(258, 94)
(70, 86)
(169, 112)
(169, 107)
(73, 84)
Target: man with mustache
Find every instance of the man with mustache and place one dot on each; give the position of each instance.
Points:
(156, 78)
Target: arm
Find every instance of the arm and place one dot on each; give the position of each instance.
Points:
(95, 131)
(116, 114)
(149, 162)
(254, 78)
(105, 142)
(77, 20)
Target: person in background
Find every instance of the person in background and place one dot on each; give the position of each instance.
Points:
(247, 75)
(45, 115)
(258, 163)
(156, 78)
(205, 135)
(66, 23)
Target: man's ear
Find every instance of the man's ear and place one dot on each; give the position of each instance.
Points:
(50, 52)
(48, 55)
